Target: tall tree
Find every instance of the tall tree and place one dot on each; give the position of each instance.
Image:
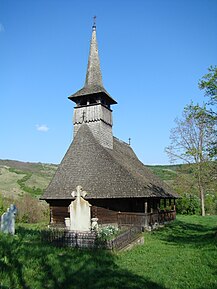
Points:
(190, 141)
(208, 84)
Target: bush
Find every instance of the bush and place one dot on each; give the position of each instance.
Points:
(31, 210)
(210, 204)
(5, 204)
(107, 233)
(188, 205)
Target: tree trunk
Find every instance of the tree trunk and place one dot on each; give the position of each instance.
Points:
(201, 190)
(202, 202)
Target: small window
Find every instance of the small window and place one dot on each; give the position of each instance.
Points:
(92, 100)
(83, 102)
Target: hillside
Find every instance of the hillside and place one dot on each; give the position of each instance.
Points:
(17, 178)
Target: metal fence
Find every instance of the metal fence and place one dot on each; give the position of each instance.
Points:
(62, 237)
(124, 239)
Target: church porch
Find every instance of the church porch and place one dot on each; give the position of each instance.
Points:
(143, 212)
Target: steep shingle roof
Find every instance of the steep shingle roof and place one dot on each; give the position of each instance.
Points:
(93, 82)
(102, 172)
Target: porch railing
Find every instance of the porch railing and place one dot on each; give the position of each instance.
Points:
(145, 220)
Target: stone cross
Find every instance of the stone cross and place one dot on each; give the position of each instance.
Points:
(79, 192)
(8, 220)
(80, 212)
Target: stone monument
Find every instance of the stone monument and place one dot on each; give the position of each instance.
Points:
(8, 220)
(80, 212)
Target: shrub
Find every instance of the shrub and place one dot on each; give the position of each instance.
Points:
(31, 210)
(188, 205)
(107, 233)
(210, 204)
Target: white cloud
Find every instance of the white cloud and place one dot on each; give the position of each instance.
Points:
(2, 29)
(42, 127)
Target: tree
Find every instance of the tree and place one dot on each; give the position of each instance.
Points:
(208, 84)
(190, 142)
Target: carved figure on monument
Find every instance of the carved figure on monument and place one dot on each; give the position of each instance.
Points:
(80, 212)
(8, 220)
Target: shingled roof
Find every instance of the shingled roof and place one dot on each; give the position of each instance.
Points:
(102, 172)
(93, 83)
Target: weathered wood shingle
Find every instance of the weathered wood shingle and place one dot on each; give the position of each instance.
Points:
(103, 173)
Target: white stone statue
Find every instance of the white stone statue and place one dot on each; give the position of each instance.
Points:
(94, 224)
(8, 220)
(80, 212)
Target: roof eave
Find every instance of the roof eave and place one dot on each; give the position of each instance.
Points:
(74, 97)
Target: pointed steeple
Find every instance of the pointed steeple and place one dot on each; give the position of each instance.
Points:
(93, 76)
(93, 83)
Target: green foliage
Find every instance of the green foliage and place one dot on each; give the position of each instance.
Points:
(22, 183)
(2, 205)
(165, 172)
(211, 204)
(107, 232)
(182, 179)
(181, 255)
(208, 83)
(188, 205)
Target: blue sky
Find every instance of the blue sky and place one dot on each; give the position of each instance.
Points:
(152, 53)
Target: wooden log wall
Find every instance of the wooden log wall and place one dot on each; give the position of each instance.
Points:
(105, 216)
(58, 214)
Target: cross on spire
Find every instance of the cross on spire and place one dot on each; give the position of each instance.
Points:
(94, 22)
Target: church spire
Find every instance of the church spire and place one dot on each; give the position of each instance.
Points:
(93, 102)
(93, 83)
(94, 75)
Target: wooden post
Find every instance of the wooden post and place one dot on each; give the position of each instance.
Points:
(165, 204)
(174, 206)
(146, 207)
(146, 211)
(151, 206)
(158, 205)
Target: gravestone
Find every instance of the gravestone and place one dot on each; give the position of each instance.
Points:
(80, 212)
(8, 220)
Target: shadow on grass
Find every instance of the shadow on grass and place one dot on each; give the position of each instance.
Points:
(28, 263)
(183, 232)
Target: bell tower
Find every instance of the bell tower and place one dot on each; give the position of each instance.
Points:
(93, 102)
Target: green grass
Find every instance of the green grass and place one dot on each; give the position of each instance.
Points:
(181, 255)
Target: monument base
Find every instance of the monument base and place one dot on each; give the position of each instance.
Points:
(79, 239)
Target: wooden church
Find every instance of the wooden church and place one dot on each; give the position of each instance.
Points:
(107, 168)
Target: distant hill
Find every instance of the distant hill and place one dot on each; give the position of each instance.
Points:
(17, 178)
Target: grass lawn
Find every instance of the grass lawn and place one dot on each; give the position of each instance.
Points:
(181, 255)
